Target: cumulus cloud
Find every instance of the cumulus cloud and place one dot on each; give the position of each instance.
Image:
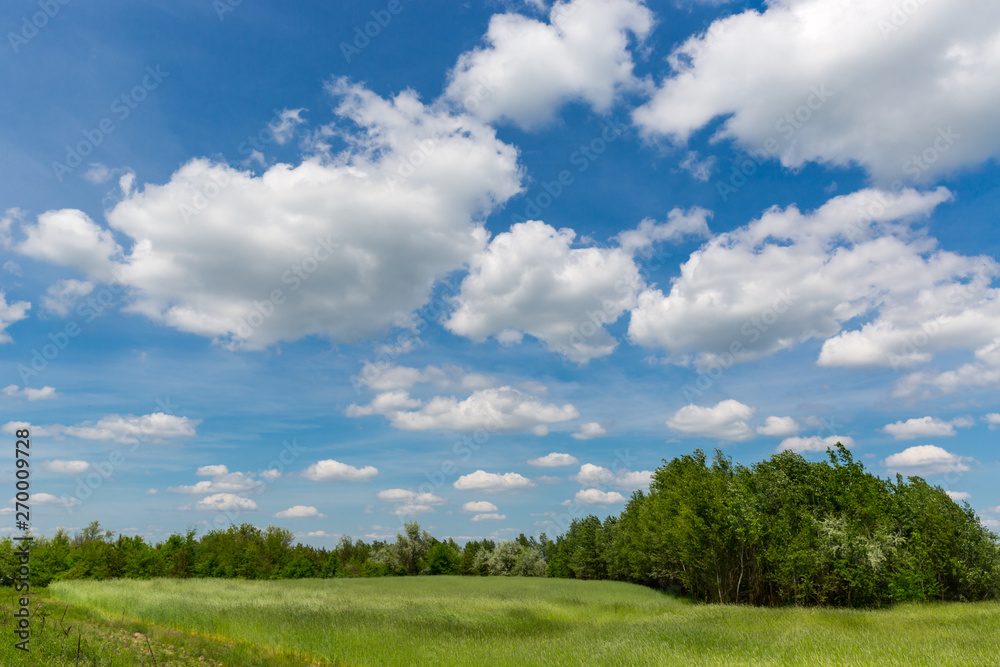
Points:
(679, 225)
(226, 502)
(959, 496)
(329, 470)
(129, 429)
(62, 467)
(821, 81)
(479, 507)
(343, 246)
(212, 471)
(779, 427)
(9, 314)
(49, 499)
(589, 431)
(490, 516)
(857, 256)
(222, 481)
(42, 394)
(502, 409)
(983, 372)
(598, 497)
(629, 480)
(926, 460)
(814, 443)
(923, 427)
(531, 280)
(529, 68)
(408, 502)
(726, 420)
(993, 419)
(491, 482)
(69, 237)
(300, 512)
(553, 460)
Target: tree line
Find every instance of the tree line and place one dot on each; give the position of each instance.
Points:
(787, 531)
(782, 531)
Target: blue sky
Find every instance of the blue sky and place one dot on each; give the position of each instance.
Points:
(487, 266)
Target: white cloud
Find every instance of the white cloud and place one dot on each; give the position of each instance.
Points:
(501, 409)
(410, 497)
(387, 403)
(814, 443)
(115, 428)
(700, 170)
(679, 224)
(836, 82)
(284, 127)
(211, 471)
(300, 512)
(598, 497)
(589, 431)
(531, 280)
(61, 296)
(779, 427)
(983, 372)
(726, 421)
(553, 460)
(593, 475)
(9, 314)
(62, 467)
(7, 220)
(42, 394)
(334, 471)
(993, 419)
(353, 241)
(226, 482)
(481, 506)
(49, 499)
(97, 173)
(926, 460)
(629, 480)
(130, 429)
(492, 516)
(529, 68)
(924, 427)
(317, 533)
(409, 509)
(48, 431)
(69, 237)
(226, 501)
(481, 480)
(959, 496)
(855, 256)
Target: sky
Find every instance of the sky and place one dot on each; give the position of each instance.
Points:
(338, 266)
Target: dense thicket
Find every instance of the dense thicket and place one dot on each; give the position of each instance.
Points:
(783, 531)
(787, 531)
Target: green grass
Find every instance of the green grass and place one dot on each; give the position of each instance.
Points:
(511, 621)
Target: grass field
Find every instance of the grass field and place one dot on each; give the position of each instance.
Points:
(479, 621)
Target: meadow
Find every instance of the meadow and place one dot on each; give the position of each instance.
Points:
(479, 621)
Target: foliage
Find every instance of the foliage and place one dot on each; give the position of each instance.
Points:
(782, 531)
